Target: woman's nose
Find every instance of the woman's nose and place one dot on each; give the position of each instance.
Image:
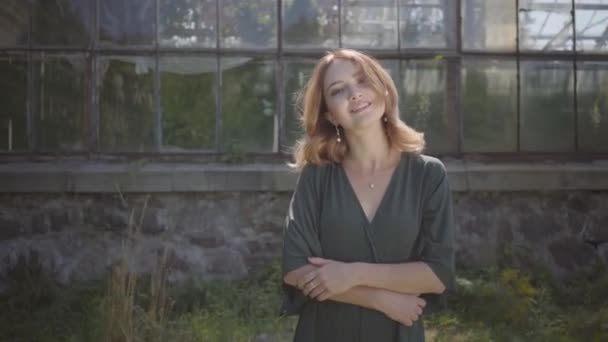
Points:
(355, 95)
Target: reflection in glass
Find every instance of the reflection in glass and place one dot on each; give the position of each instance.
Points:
(427, 23)
(369, 24)
(489, 25)
(62, 22)
(591, 25)
(545, 26)
(310, 23)
(188, 102)
(14, 23)
(249, 104)
(59, 102)
(126, 22)
(547, 106)
(489, 105)
(248, 24)
(13, 132)
(126, 111)
(187, 23)
(423, 103)
(592, 93)
(392, 67)
(297, 73)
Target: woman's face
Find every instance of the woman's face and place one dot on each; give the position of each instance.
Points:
(351, 101)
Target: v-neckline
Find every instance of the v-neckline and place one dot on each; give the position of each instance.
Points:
(389, 187)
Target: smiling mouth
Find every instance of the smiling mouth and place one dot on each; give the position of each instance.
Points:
(361, 108)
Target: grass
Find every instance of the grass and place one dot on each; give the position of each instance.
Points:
(508, 305)
(489, 305)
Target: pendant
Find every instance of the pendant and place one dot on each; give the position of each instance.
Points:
(371, 185)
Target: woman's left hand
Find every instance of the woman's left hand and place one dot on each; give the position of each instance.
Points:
(328, 279)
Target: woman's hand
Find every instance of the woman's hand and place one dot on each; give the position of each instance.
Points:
(328, 279)
(401, 307)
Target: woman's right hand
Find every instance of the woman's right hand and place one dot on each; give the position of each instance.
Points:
(401, 307)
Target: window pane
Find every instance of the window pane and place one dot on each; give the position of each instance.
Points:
(309, 23)
(297, 73)
(547, 106)
(392, 67)
(187, 23)
(126, 103)
(188, 102)
(427, 23)
(62, 22)
(249, 104)
(249, 24)
(489, 25)
(591, 25)
(126, 22)
(59, 102)
(423, 102)
(14, 22)
(13, 132)
(369, 24)
(592, 95)
(545, 25)
(489, 105)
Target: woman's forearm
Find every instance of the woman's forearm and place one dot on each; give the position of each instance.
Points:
(367, 297)
(411, 277)
(370, 280)
(361, 295)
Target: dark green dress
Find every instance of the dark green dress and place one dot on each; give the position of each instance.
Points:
(414, 222)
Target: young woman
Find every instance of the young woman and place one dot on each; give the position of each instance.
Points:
(369, 232)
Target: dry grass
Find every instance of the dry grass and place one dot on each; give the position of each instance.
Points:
(125, 318)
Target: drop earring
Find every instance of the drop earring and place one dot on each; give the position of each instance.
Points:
(338, 138)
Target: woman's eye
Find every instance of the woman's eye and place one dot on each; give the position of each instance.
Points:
(335, 92)
(361, 80)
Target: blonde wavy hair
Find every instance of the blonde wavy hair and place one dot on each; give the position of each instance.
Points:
(318, 145)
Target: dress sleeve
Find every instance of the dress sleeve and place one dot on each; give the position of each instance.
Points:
(300, 237)
(437, 232)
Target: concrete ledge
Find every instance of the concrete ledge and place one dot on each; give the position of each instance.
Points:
(98, 177)
(475, 176)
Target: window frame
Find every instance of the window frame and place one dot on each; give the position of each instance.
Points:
(453, 56)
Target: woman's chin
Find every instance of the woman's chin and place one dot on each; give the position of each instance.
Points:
(366, 120)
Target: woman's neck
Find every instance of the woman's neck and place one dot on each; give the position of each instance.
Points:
(369, 149)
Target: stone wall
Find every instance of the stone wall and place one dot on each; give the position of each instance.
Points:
(231, 234)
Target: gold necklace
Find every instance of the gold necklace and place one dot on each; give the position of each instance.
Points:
(371, 184)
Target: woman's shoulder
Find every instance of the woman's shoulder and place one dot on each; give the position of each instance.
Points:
(427, 165)
(430, 172)
(315, 169)
(314, 173)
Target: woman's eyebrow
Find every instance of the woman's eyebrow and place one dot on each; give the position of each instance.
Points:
(355, 75)
(332, 84)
